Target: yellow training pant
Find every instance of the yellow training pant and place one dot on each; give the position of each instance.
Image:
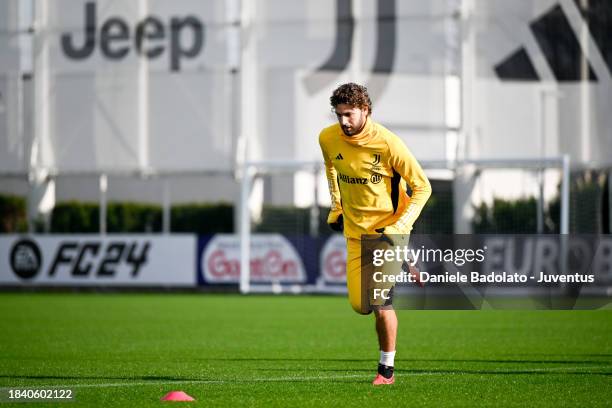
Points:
(361, 294)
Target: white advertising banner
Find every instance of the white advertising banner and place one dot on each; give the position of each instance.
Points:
(538, 80)
(93, 260)
(116, 79)
(273, 259)
(333, 260)
(100, 35)
(329, 43)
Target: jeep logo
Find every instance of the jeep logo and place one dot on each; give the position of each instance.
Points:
(147, 38)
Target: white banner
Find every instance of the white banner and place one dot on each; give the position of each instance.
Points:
(332, 260)
(115, 79)
(101, 35)
(273, 259)
(93, 260)
(540, 82)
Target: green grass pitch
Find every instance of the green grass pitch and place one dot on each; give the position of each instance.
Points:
(229, 350)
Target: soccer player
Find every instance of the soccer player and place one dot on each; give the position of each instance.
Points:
(367, 168)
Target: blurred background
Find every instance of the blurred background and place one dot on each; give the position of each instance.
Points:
(199, 120)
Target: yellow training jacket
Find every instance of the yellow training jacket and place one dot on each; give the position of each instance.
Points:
(367, 175)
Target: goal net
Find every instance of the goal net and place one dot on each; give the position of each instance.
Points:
(287, 247)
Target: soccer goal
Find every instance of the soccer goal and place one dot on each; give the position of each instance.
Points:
(287, 247)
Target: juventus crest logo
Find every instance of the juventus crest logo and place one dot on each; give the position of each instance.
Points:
(376, 159)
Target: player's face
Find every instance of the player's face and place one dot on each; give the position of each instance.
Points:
(351, 119)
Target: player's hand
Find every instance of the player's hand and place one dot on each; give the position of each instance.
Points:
(335, 220)
(384, 237)
(393, 235)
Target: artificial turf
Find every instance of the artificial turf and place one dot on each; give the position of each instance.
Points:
(230, 350)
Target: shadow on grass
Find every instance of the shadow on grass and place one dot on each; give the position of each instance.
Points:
(452, 372)
(413, 360)
(80, 377)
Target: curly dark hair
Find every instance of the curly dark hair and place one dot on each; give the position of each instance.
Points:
(351, 94)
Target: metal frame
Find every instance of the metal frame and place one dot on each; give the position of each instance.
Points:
(252, 168)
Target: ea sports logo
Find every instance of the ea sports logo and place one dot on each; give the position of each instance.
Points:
(25, 259)
(376, 178)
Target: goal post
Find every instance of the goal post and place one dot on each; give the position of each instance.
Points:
(253, 197)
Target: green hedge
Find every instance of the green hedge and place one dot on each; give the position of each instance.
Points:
(127, 217)
(133, 217)
(506, 216)
(586, 210)
(291, 220)
(587, 214)
(203, 218)
(13, 211)
(437, 217)
(75, 216)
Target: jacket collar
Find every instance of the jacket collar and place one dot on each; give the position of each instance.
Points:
(362, 137)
